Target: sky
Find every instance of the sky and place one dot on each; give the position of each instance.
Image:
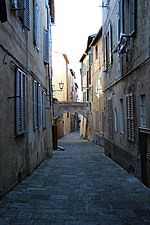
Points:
(75, 20)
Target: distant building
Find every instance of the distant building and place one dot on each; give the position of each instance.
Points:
(67, 122)
(25, 95)
(92, 88)
(126, 45)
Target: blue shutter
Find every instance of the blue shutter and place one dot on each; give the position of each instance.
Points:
(46, 46)
(36, 24)
(27, 14)
(132, 16)
(121, 11)
(44, 109)
(23, 101)
(39, 105)
(34, 104)
(20, 101)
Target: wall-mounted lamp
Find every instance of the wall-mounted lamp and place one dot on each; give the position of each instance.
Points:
(61, 86)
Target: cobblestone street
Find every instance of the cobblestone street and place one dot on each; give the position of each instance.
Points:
(78, 186)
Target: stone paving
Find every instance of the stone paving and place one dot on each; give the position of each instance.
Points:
(78, 186)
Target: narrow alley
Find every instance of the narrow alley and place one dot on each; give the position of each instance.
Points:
(77, 186)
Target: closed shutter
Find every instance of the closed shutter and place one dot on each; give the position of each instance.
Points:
(20, 101)
(118, 29)
(27, 14)
(132, 16)
(130, 117)
(39, 105)
(110, 119)
(121, 13)
(46, 46)
(34, 104)
(91, 57)
(44, 109)
(36, 24)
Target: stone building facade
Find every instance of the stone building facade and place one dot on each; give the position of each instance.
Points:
(126, 49)
(25, 75)
(92, 79)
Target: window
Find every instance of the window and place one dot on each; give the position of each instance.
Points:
(126, 19)
(36, 30)
(25, 13)
(20, 101)
(96, 120)
(97, 85)
(115, 120)
(44, 109)
(130, 117)
(121, 116)
(107, 40)
(110, 119)
(143, 110)
(96, 52)
(46, 46)
(36, 104)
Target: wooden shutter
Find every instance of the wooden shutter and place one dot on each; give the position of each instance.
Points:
(46, 46)
(27, 14)
(52, 10)
(36, 30)
(44, 109)
(20, 101)
(132, 16)
(130, 117)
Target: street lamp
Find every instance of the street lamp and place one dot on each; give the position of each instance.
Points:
(61, 86)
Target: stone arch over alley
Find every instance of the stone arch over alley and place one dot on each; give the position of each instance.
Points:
(83, 108)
